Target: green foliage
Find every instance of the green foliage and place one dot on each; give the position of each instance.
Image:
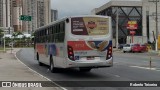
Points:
(21, 42)
(15, 34)
(17, 42)
(19, 33)
(33, 34)
(1, 33)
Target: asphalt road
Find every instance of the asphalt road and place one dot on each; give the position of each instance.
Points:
(127, 67)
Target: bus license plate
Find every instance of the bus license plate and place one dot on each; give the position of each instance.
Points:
(90, 58)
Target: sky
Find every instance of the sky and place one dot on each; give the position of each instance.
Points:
(75, 7)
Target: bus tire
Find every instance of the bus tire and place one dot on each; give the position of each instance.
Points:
(85, 69)
(40, 64)
(51, 67)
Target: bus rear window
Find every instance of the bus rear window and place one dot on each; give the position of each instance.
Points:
(89, 26)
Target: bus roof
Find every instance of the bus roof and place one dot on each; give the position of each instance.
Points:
(63, 19)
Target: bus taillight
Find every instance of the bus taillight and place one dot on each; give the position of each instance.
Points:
(70, 53)
(109, 53)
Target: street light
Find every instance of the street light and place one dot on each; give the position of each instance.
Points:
(4, 42)
(156, 44)
(117, 20)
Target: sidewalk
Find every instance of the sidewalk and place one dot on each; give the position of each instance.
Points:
(12, 69)
(154, 52)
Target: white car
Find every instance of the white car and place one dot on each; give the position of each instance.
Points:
(127, 48)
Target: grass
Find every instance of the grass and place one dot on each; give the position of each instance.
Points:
(6, 49)
(9, 48)
(1, 49)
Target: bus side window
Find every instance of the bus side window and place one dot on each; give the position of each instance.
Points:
(61, 37)
(62, 32)
(52, 29)
(56, 38)
(40, 37)
(52, 37)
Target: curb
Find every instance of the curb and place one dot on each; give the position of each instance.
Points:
(15, 54)
(154, 52)
(116, 50)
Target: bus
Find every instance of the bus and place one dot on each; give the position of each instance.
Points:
(83, 42)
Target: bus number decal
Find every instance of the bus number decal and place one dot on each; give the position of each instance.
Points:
(88, 45)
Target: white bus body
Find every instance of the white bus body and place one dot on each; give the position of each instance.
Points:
(83, 42)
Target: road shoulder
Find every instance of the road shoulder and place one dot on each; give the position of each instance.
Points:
(13, 70)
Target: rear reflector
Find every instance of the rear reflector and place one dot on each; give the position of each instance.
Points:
(109, 53)
(70, 53)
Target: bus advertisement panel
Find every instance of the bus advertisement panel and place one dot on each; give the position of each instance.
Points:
(90, 26)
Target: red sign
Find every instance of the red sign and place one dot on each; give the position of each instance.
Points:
(132, 25)
(132, 32)
(91, 25)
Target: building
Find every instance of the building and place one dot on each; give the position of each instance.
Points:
(47, 11)
(11, 10)
(149, 19)
(5, 16)
(54, 15)
(43, 12)
(4, 13)
(141, 11)
(40, 12)
(29, 9)
(16, 11)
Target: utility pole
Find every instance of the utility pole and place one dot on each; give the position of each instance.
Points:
(117, 17)
(4, 42)
(156, 19)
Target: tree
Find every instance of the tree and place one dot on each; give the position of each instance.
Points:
(1, 33)
(19, 33)
(15, 34)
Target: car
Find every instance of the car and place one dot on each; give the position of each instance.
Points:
(120, 46)
(127, 48)
(136, 48)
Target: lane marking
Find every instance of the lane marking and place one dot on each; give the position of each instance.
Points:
(115, 62)
(15, 54)
(117, 76)
(149, 61)
(147, 68)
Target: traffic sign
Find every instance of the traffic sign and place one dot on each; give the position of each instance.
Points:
(132, 32)
(25, 18)
(132, 25)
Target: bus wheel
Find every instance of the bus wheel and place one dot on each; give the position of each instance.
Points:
(52, 68)
(40, 64)
(85, 69)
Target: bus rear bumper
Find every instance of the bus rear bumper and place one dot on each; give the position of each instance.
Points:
(91, 64)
